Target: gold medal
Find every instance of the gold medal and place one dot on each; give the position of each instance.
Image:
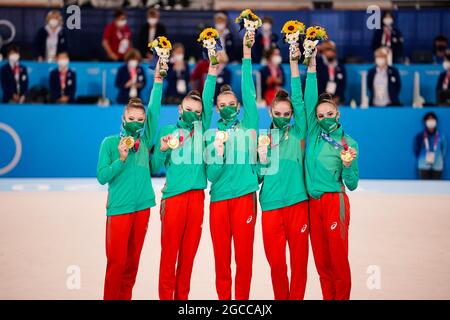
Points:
(264, 140)
(129, 142)
(222, 135)
(173, 142)
(346, 156)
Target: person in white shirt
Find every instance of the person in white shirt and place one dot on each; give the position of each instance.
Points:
(383, 82)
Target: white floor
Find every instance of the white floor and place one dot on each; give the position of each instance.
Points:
(52, 239)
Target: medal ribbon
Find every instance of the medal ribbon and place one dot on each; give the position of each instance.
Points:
(333, 142)
(427, 144)
(283, 138)
(181, 134)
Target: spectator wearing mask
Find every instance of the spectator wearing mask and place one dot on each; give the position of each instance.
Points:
(430, 148)
(177, 76)
(331, 75)
(272, 75)
(150, 31)
(265, 40)
(130, 78)
(440, 46)
(383, 82)
(51, 39)
(390, 37)
(14, 77)
(443, 83)
(63, 81)
(117, 37)
(200, 73)
(226, 37)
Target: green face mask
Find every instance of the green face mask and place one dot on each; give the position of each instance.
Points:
(189, 117)
(228, 113)
(133, 127)
(329, 124)
(281, 122)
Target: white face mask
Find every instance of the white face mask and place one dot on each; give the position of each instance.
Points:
(388, 21)
(53, 23)
(276, 60)
(152, 21)
(121, 23)
(221, 26)
(446, 65)
(13, 58)
(266, 26)
(178, 57)
(63, 63)
(133, 63)
(380, 62)
(431, 124)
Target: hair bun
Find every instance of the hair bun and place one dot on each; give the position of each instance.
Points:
(282, 94)
(325, 97)
(134, 101)
(225, 88)
(194, 93)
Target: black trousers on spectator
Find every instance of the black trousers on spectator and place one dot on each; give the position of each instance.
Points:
(430, 174)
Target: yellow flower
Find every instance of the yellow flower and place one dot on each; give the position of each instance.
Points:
(208, 33)
(321, 33)
(293, 26)
(316, 32)
(153, 44)
(164, 43)
(247, 14)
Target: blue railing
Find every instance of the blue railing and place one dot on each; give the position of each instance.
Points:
(63, 141)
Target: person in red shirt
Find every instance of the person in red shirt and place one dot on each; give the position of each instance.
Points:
(117, 37)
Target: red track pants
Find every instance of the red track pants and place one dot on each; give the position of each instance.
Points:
(233, 219)
(125, 236)
(288, 224)
(181, 223)
(329, 222)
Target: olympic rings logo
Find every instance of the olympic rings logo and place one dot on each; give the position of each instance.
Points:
(11, 27)
(17, 142)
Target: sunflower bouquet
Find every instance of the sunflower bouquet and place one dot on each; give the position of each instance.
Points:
(314, 34)
(250, 21)
(210, 40)
(292, 30)
(162, 47)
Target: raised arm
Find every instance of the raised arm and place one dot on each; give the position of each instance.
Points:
(107, 169)
(311, 97)
(297, 97)
(208, 96)
(250, 119)
(153, 109)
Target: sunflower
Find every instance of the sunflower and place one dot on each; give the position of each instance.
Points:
(316, 33)
(247, 14)
(293, 26)
(164, 43)
(321, 33)
(208, 33)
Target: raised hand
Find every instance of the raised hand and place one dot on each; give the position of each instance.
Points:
(295, 55)
(158, 77)
(248, 38)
